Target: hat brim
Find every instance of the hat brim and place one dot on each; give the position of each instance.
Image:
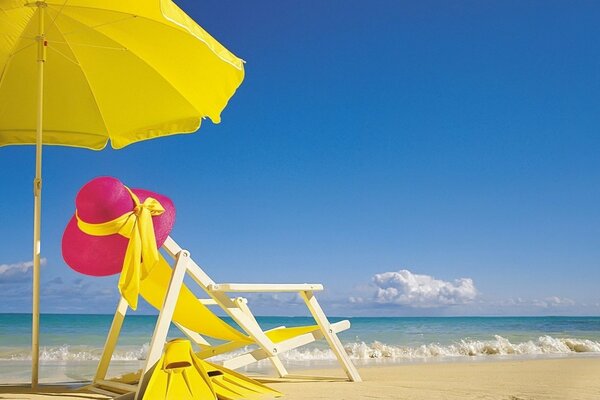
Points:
(103, 255)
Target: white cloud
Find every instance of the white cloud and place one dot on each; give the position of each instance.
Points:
(17, 272)
(422, 291)
(553, 301)
(547, 302)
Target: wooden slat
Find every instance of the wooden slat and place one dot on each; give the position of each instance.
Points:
(275, 361)
(299, 378)
(103, 391)
(171, 247)
(247, 323)
(264, 287)
(121, 387)
(208, 302)
(286, 345)
(194, 336)
(164, 319)
(111, 340)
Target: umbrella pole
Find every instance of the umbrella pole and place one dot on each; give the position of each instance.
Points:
(37, 200)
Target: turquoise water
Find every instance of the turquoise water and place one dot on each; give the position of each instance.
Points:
(72, 344)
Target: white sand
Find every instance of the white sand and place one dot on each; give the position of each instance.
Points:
(556, 379)
(547, 379)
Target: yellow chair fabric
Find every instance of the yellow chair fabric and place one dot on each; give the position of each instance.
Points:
(189, 311)
(192, 314)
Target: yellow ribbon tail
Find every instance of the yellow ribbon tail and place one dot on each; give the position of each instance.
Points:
(148, 252)
(129, 285)
(129, 281)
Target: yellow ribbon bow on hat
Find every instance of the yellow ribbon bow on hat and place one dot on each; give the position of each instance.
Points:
(141, 254)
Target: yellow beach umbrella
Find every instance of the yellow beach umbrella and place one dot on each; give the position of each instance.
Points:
(84, 73)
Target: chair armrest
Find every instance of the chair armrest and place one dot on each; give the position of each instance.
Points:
(264, 287)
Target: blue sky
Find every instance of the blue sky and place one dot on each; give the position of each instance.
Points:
(387, 149)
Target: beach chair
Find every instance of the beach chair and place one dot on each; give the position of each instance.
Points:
(164, 289)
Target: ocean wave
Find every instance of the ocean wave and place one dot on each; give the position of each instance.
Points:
(470, 348)
(76, 353)
(544, 345)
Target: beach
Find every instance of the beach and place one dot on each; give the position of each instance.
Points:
(507, 358)
(547, 379)
(572, 378)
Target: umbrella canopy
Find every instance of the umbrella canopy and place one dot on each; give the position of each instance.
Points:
(83, 73)
(119, 70)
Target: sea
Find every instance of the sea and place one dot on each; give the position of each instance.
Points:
(71, 344)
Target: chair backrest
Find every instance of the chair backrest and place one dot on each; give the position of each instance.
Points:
(189, 311)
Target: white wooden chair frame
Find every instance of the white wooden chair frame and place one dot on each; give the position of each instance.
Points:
(238, 310)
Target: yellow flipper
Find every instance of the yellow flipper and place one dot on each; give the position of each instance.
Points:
(231, 385)
(177, 377)
(180, 375)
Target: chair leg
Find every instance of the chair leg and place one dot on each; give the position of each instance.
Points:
(164, 320)
(334, 342)
(275, 361)
(279, 367)
(111, 340)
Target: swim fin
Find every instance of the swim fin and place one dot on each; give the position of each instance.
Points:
(231, 385)
(181, 375)
(177, 377)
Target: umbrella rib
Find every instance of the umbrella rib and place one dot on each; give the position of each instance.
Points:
(93, 27)
(64, 55)
(62, 7)
(87, 27)
(89, 45)
(144, 62)
(87, 81)
(21, 36)
(178, 27)
(14, 53)
(8, 19)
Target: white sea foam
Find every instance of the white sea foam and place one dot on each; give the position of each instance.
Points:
(76, 353)
(497, 346)
(464, 348)
(544, 345)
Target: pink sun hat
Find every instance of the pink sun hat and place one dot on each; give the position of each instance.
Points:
(101, 200)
